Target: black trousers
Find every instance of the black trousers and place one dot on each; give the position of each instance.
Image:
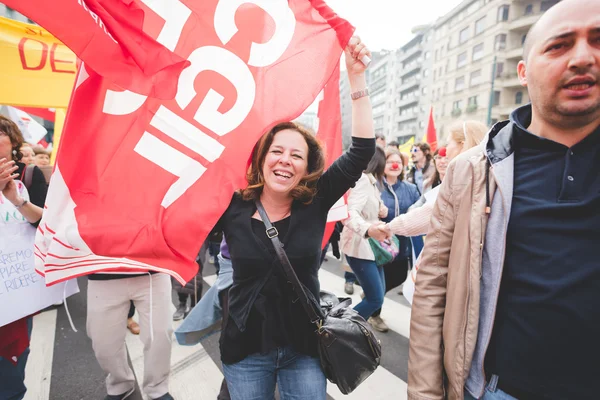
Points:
(395, 275)
(131, 309)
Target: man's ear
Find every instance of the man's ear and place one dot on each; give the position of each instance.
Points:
(522, 72)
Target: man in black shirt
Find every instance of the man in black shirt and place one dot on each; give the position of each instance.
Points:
(522, 319)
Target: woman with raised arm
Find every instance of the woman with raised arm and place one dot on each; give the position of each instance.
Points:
(267, 338)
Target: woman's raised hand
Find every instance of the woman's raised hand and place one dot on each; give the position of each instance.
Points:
(355, 51)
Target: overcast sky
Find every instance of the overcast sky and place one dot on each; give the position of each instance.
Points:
(387, 24)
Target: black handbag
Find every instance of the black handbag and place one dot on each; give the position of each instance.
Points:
(348, 349)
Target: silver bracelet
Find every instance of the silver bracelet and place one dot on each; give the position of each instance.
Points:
(22, 204)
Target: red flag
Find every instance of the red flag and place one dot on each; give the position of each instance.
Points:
(431, 137)
(107, 36)
(139, 182)
(330, 134)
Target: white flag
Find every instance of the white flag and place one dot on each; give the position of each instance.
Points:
(32, 131)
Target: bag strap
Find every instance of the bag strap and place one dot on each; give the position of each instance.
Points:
(286, 266)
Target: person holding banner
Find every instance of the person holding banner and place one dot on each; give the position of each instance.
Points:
(22, 207)
(267, 337)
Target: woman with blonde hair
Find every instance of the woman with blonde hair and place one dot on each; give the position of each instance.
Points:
(462, 136)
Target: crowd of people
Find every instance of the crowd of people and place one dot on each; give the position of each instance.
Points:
(502, 224)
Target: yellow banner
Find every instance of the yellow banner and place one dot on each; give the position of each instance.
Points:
(406, 147)
(36, 70)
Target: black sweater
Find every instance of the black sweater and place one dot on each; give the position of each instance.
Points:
(262, 315)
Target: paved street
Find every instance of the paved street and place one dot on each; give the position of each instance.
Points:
(62, 365)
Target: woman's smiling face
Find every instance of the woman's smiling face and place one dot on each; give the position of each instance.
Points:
(286, 162)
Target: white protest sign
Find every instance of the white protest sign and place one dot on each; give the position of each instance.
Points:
(22, 290)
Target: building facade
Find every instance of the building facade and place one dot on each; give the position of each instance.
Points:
(477, 47)
(413, 80)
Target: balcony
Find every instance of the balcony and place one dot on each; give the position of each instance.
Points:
(515, 54)
(410, 52)
(412, 67)
(503, 111)
(408, 85)
(406, 117)
(407, 101)
(509, 80)
(523, 23)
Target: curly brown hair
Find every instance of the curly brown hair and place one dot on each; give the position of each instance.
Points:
(10, 129)
(307, 187)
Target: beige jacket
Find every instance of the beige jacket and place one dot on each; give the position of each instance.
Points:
(364, 208)
(445, 310)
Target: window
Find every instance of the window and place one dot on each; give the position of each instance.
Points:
(463, 36)
(459, 84)
(478, 52)
(499, 69)
(496, 97)
(545, 6)
(475, 77)
(461, 60)
(425, 72)
(479, 26)
(472, 101)
(436, 55)
(529, 9)
(379, 109)
(457, 105)
(523, 39)
(503, 13)
(500, 42)
(427, 55)
(424, 90)
(519, 98)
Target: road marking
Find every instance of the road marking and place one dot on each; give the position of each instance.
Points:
(38, 371)
(194, 375)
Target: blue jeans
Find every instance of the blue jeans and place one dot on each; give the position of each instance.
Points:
(298, 376)
(372, 280)
(491, 392)
(12, 377)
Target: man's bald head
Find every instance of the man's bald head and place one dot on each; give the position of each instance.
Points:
(549, 17)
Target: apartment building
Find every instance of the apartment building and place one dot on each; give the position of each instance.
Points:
(477, 47)
(413, 79)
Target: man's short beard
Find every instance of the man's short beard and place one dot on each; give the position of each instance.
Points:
(578, 113)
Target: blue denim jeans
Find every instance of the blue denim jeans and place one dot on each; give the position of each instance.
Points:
(12, 377)
(491, 392)
(372, 280)
(298, 376)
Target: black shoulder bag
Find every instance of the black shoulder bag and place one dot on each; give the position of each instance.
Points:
(348, 349)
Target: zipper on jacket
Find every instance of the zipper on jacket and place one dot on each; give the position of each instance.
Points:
(497, 290)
